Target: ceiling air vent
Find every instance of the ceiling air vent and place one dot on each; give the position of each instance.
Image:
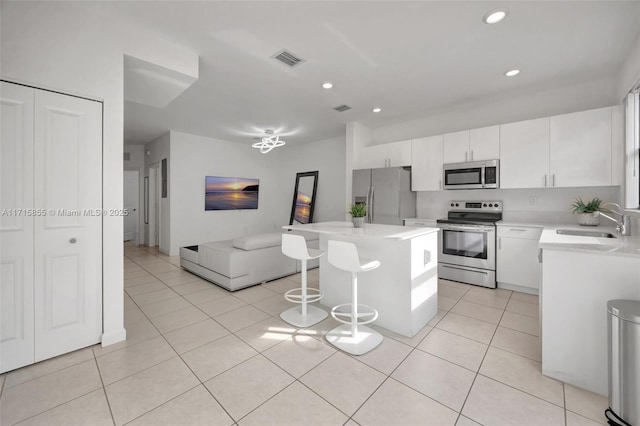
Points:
(342, 108)
(287, 58)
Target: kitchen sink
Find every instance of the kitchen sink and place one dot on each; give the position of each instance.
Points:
(585, 233)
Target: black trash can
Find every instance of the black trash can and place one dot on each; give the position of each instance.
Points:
(623, 321)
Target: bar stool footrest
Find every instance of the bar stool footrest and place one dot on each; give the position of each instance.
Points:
(295, 295)
(364, 311)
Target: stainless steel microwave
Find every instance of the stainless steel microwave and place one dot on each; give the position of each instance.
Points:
(472, 175)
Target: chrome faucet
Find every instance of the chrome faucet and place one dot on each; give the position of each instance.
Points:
(623, 226)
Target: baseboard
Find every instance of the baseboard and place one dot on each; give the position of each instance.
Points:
(114, 337)
(521, 289)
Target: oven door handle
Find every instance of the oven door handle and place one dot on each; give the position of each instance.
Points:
(467, 228)
(482, 171)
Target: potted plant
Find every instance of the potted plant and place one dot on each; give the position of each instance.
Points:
(358, 212)
(588, 212)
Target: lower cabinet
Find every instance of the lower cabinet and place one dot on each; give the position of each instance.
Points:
(517, 257)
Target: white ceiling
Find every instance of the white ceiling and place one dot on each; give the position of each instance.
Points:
(407, 57)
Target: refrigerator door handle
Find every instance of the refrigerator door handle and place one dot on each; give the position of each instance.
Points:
(368, 217)
(371, 218)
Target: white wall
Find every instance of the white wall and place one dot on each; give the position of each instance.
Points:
(68, 47)
(158, 150)
(630, 70)
(194, 157)
(542, 205)
(327, 157)
(518, 107)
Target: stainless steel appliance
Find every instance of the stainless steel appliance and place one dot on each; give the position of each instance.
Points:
(472, 175)
(468, 242)
(386, 193)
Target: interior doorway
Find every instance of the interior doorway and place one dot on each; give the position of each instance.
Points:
(131, 201)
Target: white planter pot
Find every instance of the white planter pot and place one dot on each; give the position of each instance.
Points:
(357, 222)
(589, 219)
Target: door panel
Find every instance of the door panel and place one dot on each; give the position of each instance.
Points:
(68, 261)
(386, 195)
(16, 227)
(524, 154)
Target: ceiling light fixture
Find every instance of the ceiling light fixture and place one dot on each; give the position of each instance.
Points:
(268, 142)
(512, 73)
(327, 85)
(377, 109)
(495, 16)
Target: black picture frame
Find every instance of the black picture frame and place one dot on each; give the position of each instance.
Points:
(298, 209)
(165, 177)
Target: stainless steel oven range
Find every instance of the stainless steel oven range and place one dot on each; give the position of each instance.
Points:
(468, 242)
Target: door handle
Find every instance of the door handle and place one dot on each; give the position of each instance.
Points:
(553, 180)
(471, 155)
(72, 241)
(500, 243)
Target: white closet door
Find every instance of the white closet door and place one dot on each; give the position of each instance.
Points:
(16, 227)
(68, 244)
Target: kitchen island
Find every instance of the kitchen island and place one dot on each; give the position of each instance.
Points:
(404, 289)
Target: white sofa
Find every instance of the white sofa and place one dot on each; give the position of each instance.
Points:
(243, 262)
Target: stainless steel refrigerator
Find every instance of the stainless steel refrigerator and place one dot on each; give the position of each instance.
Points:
(386, 193)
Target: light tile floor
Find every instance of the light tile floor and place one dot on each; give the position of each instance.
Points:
(197, 354)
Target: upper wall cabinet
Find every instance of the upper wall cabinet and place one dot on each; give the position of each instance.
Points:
(472, 145)
(426, 163)
(580, 148)
(484, 143)
(562, 151)
(384, 155)
(456, 147)
(524, 154)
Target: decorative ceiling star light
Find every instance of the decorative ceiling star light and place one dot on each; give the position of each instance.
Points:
(268, 142)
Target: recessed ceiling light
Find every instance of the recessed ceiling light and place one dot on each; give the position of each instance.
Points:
(512, 73)
(377, 109)
(327, 85)
(495, 16)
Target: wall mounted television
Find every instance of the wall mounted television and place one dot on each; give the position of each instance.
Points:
(230, 193)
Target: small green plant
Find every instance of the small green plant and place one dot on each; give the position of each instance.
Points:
(358, 210)
(579, 206)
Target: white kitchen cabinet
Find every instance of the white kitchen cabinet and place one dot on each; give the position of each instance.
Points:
(426, 163)
(51, 243)
(484, 143)
(524, 154)
(517, 258)
(472, 145)
(456, 147)
(392, 154)
(580, 148)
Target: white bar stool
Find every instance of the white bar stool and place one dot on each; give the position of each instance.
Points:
(353, 336)
(295, 246)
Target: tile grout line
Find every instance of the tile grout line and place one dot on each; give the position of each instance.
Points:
(475, 377)
(104, 389)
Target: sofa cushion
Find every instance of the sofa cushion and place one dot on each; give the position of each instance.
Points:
(254, 242)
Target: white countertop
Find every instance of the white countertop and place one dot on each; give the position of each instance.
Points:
(372, 230)
(619, 246)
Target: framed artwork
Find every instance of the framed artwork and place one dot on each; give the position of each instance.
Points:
(230, 193)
